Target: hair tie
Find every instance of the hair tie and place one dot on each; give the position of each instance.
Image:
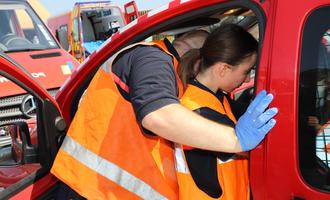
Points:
(200, 52)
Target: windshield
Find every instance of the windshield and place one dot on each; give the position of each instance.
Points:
(22, 30)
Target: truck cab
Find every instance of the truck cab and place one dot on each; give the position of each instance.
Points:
(293, 64)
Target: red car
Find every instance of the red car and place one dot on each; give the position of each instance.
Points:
(293, 64)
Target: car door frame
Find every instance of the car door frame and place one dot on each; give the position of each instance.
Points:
(274, 166)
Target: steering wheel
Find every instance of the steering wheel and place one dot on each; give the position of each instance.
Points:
(12, 39)
(4, 37)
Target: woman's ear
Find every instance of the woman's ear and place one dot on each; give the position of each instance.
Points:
(196, 66)
(222, 69)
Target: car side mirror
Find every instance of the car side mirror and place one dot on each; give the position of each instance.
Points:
(21, 151)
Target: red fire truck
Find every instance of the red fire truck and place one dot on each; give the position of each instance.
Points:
(26, 39)
(293, 64)
(89, 24)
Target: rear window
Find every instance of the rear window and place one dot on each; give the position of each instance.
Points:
(314, 100)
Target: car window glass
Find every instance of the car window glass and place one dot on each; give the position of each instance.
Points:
(314, 101)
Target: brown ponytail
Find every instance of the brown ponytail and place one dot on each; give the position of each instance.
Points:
(187, 69)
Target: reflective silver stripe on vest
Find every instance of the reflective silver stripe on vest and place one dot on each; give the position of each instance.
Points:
(180, 163)
(110, 170)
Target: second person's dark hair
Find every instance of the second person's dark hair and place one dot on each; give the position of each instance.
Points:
(228, 43)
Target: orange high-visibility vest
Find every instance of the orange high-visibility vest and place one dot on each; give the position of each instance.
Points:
(232, 174)
(105, 154)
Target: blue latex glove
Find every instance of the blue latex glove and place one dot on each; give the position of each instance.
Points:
(255, 123)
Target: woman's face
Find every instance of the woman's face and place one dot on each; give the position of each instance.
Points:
(239, 74)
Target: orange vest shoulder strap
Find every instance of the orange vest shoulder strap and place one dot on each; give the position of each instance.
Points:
(195, 98)
(160, 44)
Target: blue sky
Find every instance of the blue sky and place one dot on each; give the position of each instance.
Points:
(56, 7)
